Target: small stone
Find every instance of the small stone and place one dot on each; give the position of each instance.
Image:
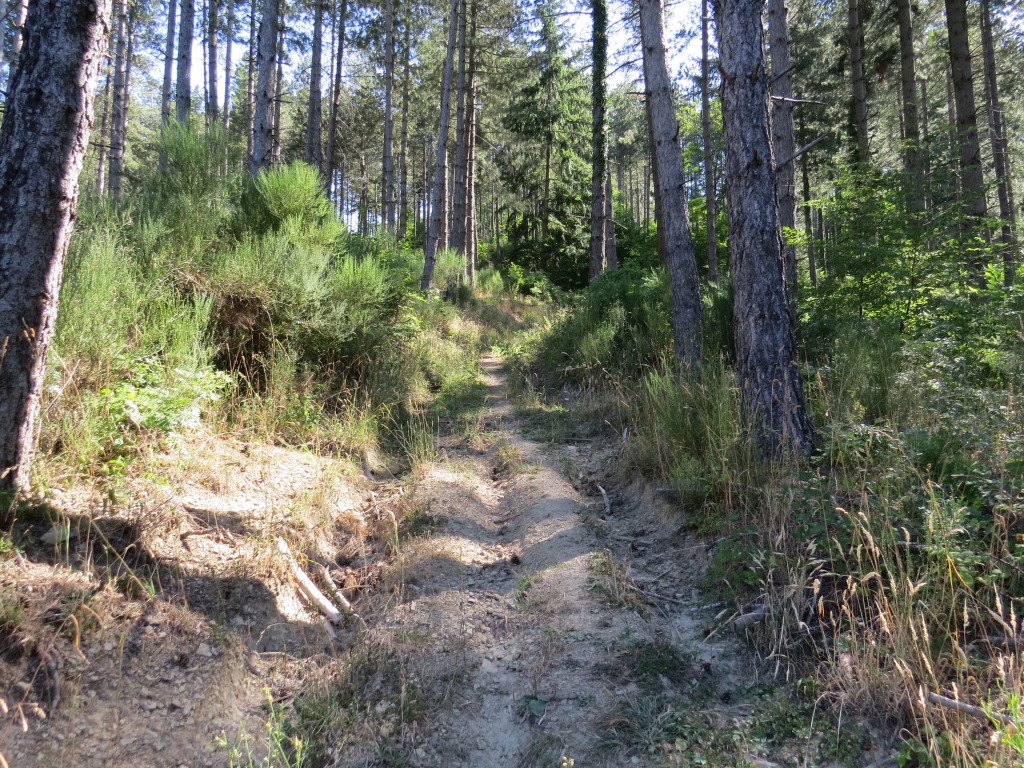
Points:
(205, 650)
(420, 752)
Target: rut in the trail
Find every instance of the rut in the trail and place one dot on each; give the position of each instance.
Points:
(511, 596)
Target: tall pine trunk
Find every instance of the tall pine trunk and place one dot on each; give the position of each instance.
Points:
(212, 102)
(119, 109)
(250, 102)
(783, 139)
(279, 86)
(266, 90)
(858, 81)
(388, 164)
(183, 87)
(403, 152)
(332, 123)
(599, 140)
(314, 110)
(1001, 160)
(166, 93)
(101, 155)
(670, 191)
(772, 390)
(972, 179)
(43, 141)
(457, 238)
(471, 236)
(229, 39)
(439, 182)
(908, 90)
(710, 198)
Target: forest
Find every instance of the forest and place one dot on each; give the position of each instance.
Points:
(536, 384)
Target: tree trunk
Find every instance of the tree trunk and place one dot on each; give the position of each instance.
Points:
(709, 157)
(3, 15)
(1001, 159)
(911, 127)
(858, 82)
(403, 152)
(165, 101)
(471, 239)
(101, 155)
(783, 140)
(250, 105)
(671, 189)
(812, 266)
(278, 87)
(610, 248)
(43, 141)
(212, 102)
(599, 140)
(266, 90)
(437, 189)
(183, 88)
(332, 123)
(457, 240)
(972, 178)
(772, 390)
(229, 38)
(119, 110)
(389, 117)
(314, 112)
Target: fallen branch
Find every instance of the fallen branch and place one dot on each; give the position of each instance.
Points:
(748, 620)
(307, 587)
(335, 590)
(968, 709)
(607, 503)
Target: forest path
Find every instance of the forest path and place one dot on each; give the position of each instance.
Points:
(568, 620)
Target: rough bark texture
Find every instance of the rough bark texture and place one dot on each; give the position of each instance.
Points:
(598, 140)
(279, 87)
(911, 126)
(165, 101)
(1001, 160)
(266, 90)
(972, 178)
(772, 390)
(101, 153)
(229, 35)
(314, 110)
(783, 137)
(439, 184)
(183, 89)
(471, 237)
(389, 116)
(671, 188)
(332, 123)
(212, 102)
(457, 239)
(43, 142)
(858, 82)
(709, 155)
(403, 152)
(119, 108)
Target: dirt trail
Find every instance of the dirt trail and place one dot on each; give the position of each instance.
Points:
(519, 585)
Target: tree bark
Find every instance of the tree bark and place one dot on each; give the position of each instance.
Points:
(772, 390)
(711, 201)
(266, 90)
(1000, 157)
(911, 126)
(812, 266)
(599, 140)
(165, 101)
(439, 183)
(250, 86)
(278, 86)
(858, 82)
(332, 123)
(971, 175)
(119, 110)
(314, 111)
(43, 141)
(471, 238)
(183, 88)
(783, 139)
(403, 152)
(610, 248)
(671, 189)
(457, 238)
(389, 117)
(229, 38)
(212, 102)
(101, 155)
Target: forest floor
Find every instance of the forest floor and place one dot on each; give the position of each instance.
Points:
(518, 604)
